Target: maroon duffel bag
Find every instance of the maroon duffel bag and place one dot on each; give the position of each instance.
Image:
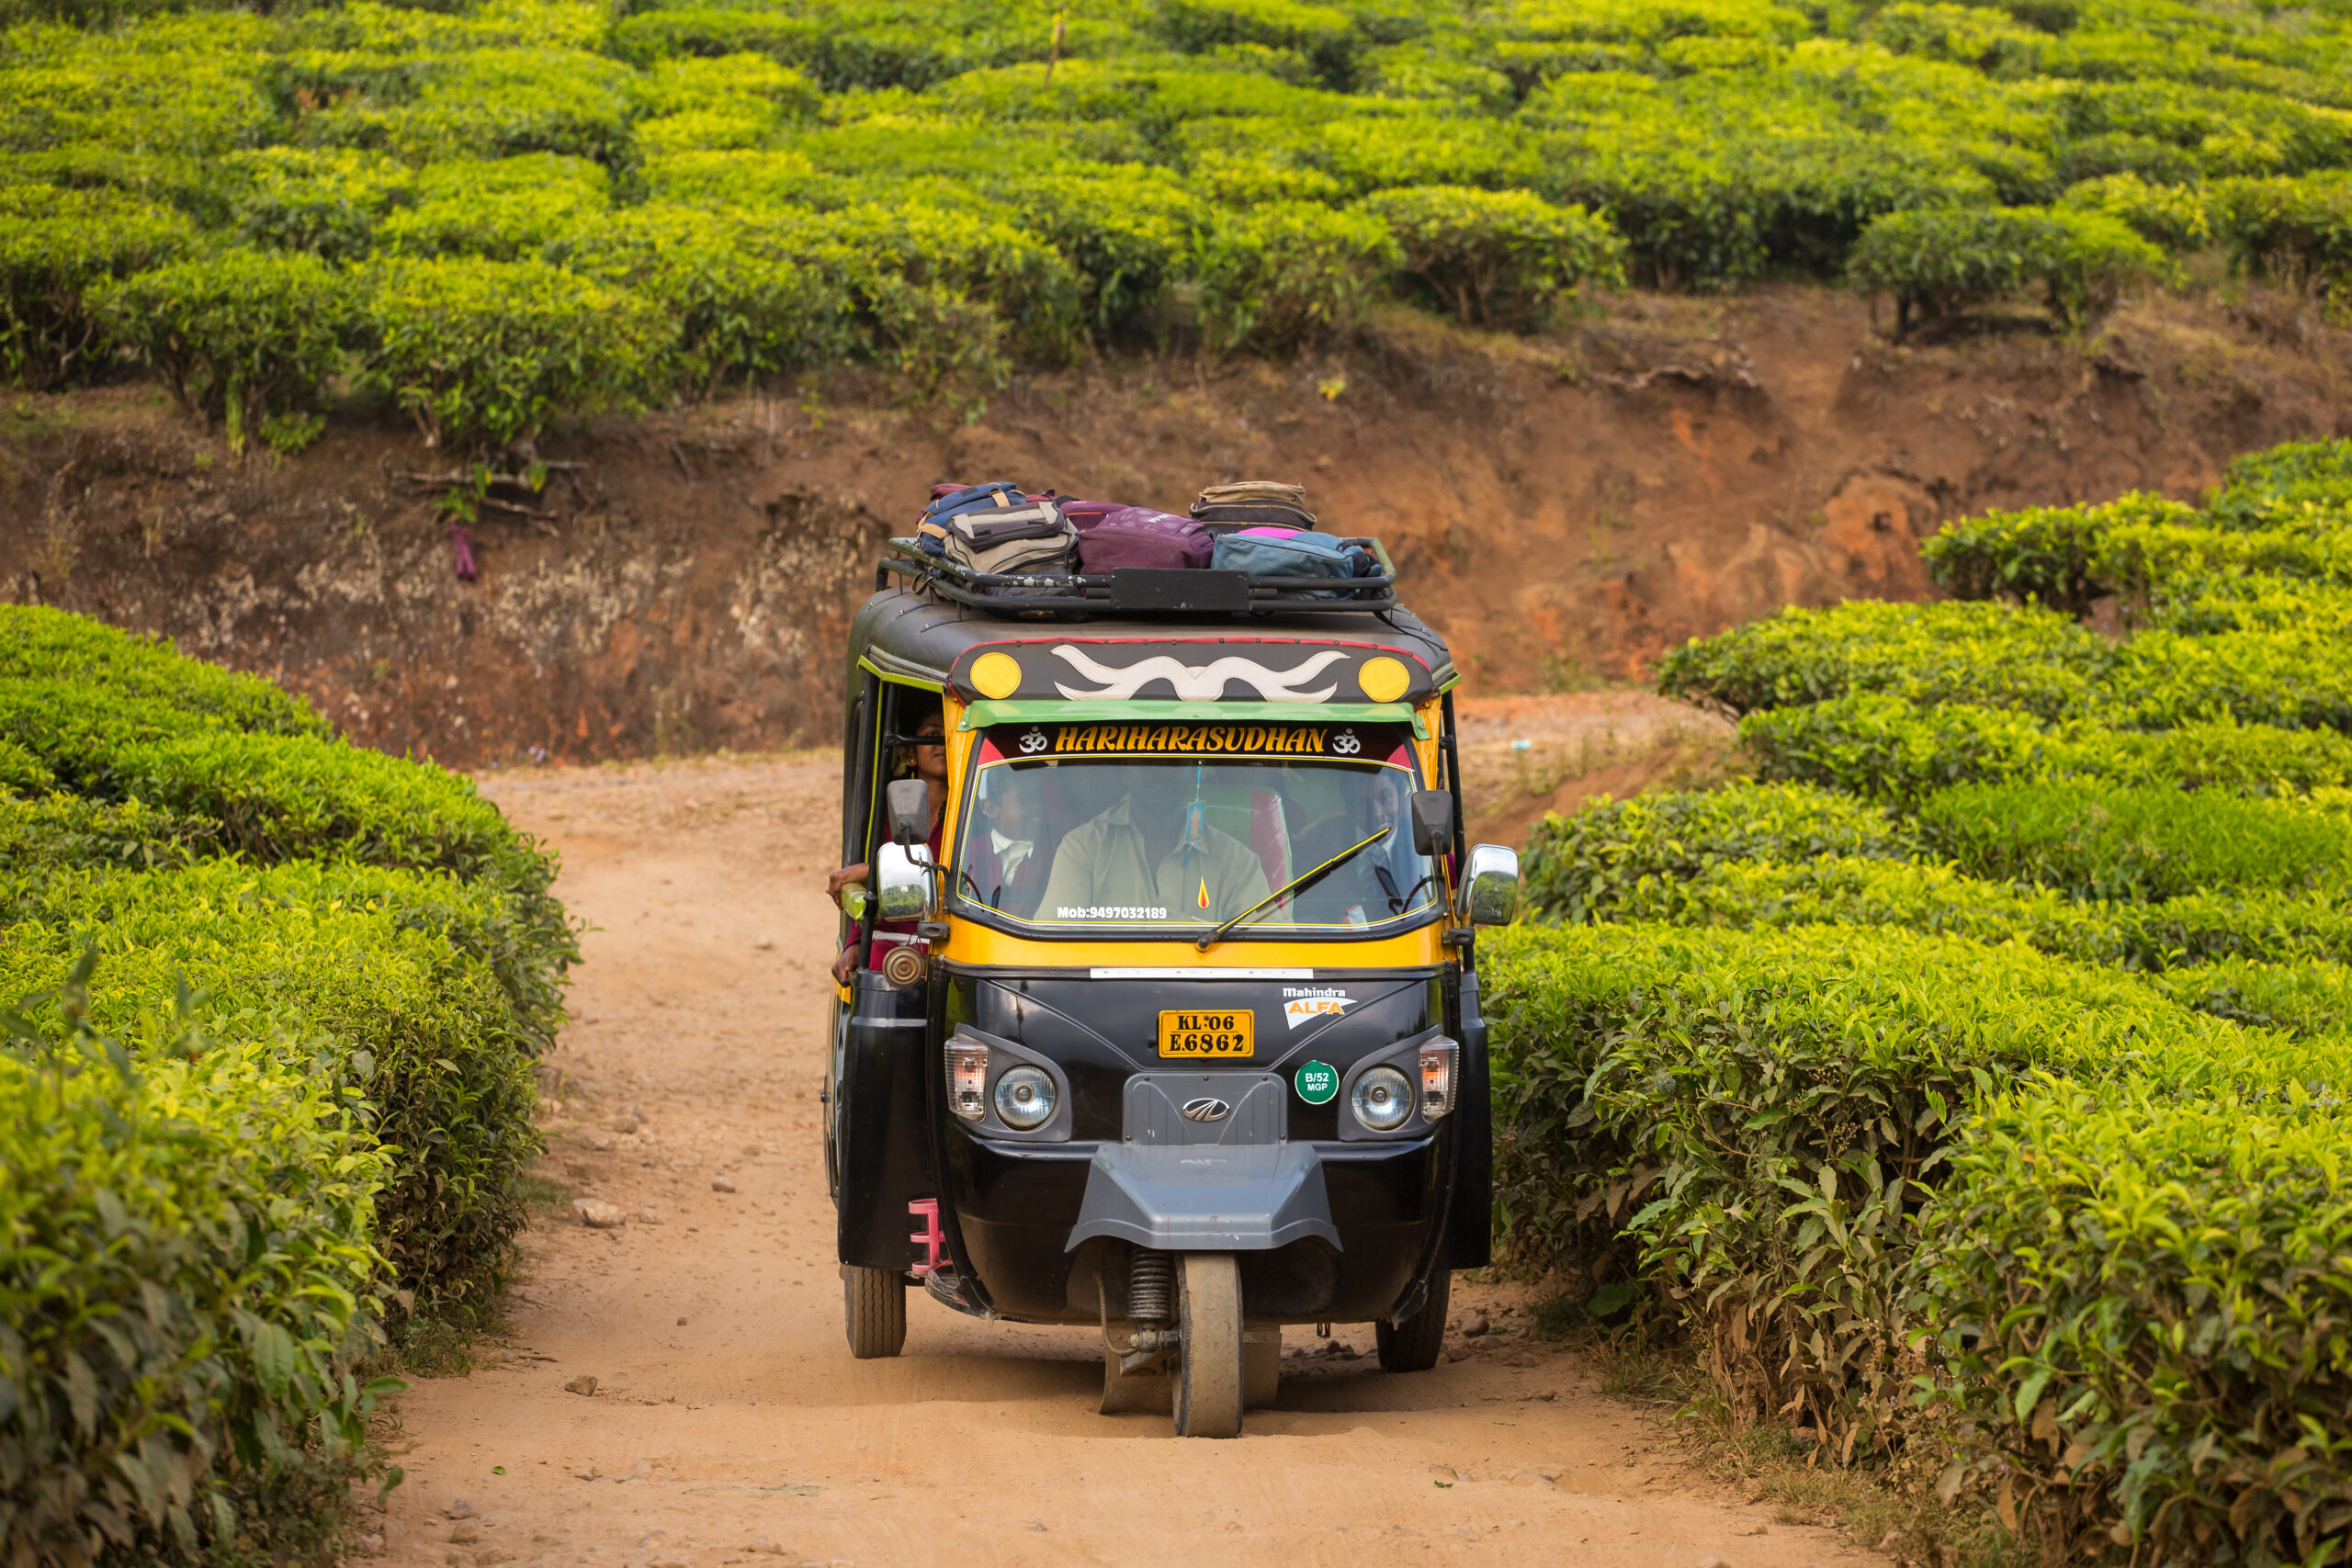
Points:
(1138, 535)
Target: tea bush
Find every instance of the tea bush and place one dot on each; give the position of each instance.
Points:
(329, 968)
(191, 1275)
(56, 248)
(1883, 747)
(1288, 274)
(1971, 1085)
(2140, 845)
(1191, 172)
(1937, 263)
(476, 350)
(248, 338)
(1498, 258)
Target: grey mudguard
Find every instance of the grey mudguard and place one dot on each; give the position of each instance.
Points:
(1206, 1197)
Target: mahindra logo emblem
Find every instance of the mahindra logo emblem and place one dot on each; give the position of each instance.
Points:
(1206, 1109)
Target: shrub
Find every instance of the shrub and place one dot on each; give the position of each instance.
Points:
(327, 201)
(496, 103)
(2139, 1297)
(1762, 1117)
(1938, 263)
(505, 208)
(186, 1247)
(362, 963)
(1577, 868)
(481, 352)
(2119, 843)
(744, 310)
(1499, 258)
(940, 256)
(56, 248)
(2030, 660)
(2175, 216)
(2297, 230)
(247, 337)
(39, 642)
(1129, 234)
(1287, 275)
(2056, 556)
(2270, 928)
(1320, 33)
(1886, 748)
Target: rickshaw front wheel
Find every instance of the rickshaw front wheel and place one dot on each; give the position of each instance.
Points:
(1413, 1345)
(873, 1311)
(1208, 1373)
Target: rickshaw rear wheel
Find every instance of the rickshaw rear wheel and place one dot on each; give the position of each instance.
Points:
(873, 1311)
(1208, 1374)
(1413, 1345)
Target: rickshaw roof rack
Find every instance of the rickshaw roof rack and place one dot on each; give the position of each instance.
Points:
(1192, 593)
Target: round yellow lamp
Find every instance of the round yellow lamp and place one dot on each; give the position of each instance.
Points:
(998, 674)
(1383, 679)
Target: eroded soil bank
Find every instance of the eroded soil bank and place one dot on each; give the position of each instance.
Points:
(1563, 508)
(728, 1424)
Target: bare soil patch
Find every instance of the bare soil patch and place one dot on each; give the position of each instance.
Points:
(729, 1423)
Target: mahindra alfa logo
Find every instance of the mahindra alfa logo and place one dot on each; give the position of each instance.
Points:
(1206, 1109)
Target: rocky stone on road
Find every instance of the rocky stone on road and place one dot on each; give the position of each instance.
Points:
(597, 1215)
(721, 1184)
(582, 1384)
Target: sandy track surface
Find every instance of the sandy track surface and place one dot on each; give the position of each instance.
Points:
(729, 1423)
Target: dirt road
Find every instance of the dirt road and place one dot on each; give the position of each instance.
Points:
(729, 1423)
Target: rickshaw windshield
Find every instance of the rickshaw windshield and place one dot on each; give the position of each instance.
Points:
(1158, 829)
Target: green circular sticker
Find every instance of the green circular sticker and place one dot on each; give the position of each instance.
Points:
(1318, 1083)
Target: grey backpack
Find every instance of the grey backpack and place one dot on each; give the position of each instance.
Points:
(1003, 539)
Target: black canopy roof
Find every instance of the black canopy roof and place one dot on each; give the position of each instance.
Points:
(1352, 656)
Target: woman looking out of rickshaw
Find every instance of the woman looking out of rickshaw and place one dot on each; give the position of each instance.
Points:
(923, 755)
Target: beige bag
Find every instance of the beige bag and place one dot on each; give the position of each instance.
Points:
(1254, 503)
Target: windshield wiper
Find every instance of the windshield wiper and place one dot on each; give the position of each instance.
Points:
(1293, 885)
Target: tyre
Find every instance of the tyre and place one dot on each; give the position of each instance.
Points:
(1261, 1365)
(1413, 1345)
(1208, 1370)
(873, 1311)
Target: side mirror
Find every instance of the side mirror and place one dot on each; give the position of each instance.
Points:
(904, 887)
(1489, 892)
(1433, 813)
(909, 805)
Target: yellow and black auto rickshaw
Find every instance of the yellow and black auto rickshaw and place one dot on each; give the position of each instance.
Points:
(1166, 1018)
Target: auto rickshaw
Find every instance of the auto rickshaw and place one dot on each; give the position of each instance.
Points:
(1176, 1030)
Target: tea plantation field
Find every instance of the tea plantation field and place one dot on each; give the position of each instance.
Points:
(265, 1090)
(1970, 1082)
(496, 212)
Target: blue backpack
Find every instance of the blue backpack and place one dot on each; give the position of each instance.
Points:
(1286, 555)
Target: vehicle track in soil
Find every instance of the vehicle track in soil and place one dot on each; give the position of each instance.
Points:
(730, 1424)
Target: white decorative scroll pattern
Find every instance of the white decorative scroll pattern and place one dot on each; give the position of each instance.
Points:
(1199, 683)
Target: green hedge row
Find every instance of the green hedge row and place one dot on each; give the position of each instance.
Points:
(188, 1251)
(349, 958)
(1973, 1085)
(1882, 747)
(1798, 1142)
(1512, 157)
(2294, 676)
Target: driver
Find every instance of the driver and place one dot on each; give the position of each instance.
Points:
(1139, 857)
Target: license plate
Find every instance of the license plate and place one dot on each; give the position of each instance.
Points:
(1194, 1031)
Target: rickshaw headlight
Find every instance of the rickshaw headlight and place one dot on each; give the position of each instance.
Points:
(1438, 1057)
(1382, 1099)
(967, 1080)
(1024, 1098)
